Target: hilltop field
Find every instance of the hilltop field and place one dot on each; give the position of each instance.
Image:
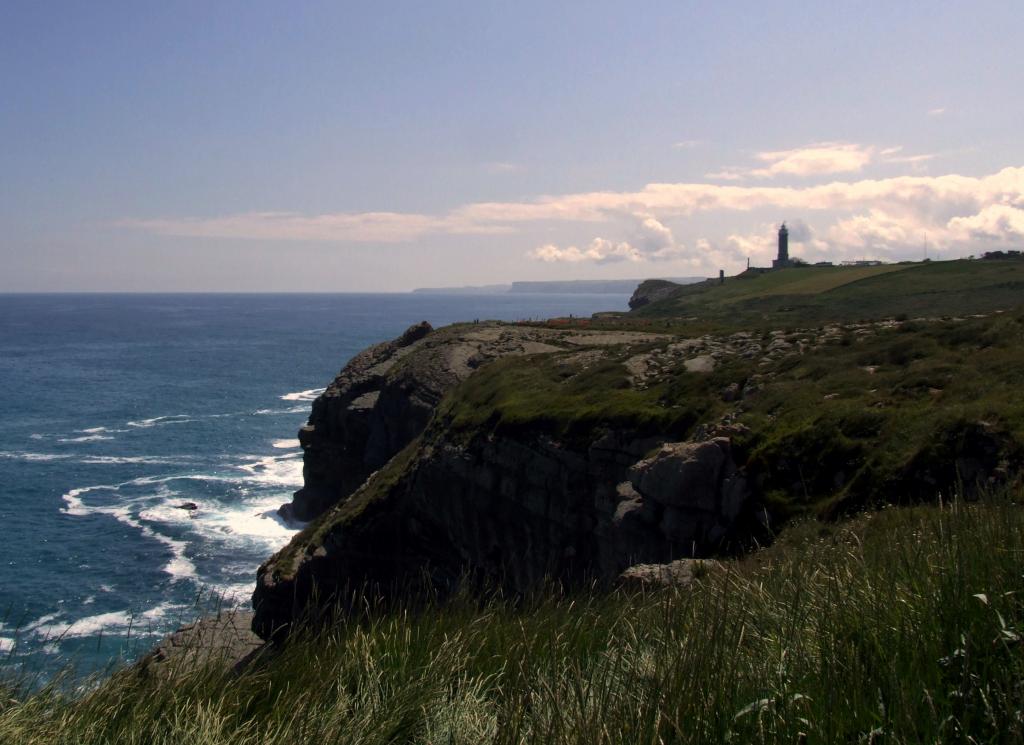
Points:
(781, 509)
(812, 295)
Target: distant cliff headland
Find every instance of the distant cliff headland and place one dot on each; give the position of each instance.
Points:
(577, 286)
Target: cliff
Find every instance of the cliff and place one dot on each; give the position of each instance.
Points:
(383, 399)
(652, 291)
(507, 454)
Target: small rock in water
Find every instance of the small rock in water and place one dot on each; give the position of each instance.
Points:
(190, 506)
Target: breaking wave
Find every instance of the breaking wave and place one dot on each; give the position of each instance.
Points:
(309, 395)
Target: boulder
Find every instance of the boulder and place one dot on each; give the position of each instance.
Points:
(684, 474)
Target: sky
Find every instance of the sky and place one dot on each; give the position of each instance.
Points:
(342, 146)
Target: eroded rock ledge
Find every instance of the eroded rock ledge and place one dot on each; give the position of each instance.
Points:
(586, 452)
(384, 397)
(513, 511)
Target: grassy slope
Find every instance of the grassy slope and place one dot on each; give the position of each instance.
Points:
(866, 418)
(904, 626)
(821, 294)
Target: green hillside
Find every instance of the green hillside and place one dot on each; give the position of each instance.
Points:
(808, 295)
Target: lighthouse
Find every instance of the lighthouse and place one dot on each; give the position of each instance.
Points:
(783, 259)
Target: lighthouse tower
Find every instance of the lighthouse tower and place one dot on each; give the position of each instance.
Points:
(783, 260)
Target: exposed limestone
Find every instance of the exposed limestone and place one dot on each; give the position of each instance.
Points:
(226, 639)
(702, 364)
(678, 573)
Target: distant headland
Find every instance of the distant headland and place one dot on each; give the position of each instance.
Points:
(575, 286)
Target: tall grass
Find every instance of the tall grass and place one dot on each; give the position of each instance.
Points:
(902, 626)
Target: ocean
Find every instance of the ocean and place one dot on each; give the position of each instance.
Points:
(118, 410)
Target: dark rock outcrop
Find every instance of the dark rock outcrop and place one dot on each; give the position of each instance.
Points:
(651, 291)
(343, 441)
(384, 397)
(513, 511)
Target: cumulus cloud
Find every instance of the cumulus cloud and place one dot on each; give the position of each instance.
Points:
(600, 251)
(814, 160)
(1000, 223)
(818, 159)
(880, 215)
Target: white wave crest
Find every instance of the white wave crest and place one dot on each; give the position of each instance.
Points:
(309, 395)
(285, 444)
(276, 470)
(32, 457)
(157, 420)
(148, 621)
(85, 438)
(275, 412)
(179, 567)
(103, 460)
(154, 460)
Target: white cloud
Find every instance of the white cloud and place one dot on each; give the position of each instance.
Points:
(373, 227)
(814, 160)
(999, 223)
(938, 111)
(727, 174)
(687, 144)
(885, 215)
(819, 159)
(600, 251)
(912, 159)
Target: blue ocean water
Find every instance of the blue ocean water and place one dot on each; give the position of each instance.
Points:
(118, 409)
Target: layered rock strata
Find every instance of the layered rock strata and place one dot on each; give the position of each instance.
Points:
(383, 399)
(512, 511)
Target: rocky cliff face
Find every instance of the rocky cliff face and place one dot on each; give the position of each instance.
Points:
(651, 291)
(385, 396)
(586, 452)
(513, 510)
(396, 500)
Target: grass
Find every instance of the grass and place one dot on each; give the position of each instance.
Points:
(552, 394)
(811, 295)
(896, 412)
(906, 411)
(901, 626)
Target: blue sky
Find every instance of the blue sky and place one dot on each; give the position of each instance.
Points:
(384, 146)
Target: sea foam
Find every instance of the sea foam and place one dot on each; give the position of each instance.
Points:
(309, 395)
